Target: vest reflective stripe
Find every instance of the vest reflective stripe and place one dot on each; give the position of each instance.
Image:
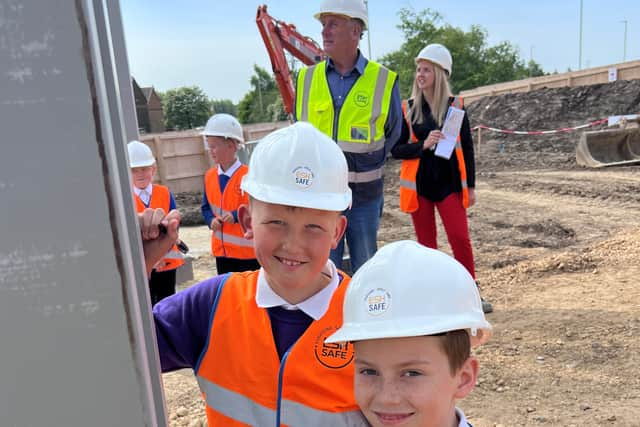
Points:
(297, 414)
(359, 177)
(303, 105)
(462, 167)
(409, 168)
(408, 172)
(350, 147)
(236, 406)
(243, 380)
(230, 238)
(316, 109)
(217, 210)
(378, 98)
(228, 241)
(361, 120)
(161, 198)
(173, 255)
(411, 185)
(463, 174)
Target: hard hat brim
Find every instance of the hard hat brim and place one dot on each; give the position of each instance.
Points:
(350, 332)
(223, 135)
(142, 164)
(321, 201)
(318, 16)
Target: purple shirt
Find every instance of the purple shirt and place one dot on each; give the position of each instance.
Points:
(183, 323)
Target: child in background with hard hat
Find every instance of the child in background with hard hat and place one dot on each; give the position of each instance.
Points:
(222, 196)
(162, 281)
(256, 339)
(413, 314)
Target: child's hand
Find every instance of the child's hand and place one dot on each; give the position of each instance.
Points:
(228, 217)
(159, 233)
(216, 224)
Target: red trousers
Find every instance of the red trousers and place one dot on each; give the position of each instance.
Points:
(454, 220)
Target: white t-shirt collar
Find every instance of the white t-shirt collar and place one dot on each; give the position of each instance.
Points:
(148, 189)
(229, 172)
(315, 306)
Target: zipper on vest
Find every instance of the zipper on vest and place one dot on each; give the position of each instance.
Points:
(224, 250)
(280, 378)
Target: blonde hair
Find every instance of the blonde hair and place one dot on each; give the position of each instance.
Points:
(441, 94)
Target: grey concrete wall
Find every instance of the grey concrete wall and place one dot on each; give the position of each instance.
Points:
(76, 343)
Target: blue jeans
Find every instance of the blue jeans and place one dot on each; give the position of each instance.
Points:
(361, 235)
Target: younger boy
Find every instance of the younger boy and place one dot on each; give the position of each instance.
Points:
(413, 314)
(256, 339)
(222, 196)
(162, 282)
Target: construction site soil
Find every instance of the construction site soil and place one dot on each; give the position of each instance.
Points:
(557, 250)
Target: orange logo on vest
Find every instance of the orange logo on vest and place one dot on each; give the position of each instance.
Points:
(334, 356)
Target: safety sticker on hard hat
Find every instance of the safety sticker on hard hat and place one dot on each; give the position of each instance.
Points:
(378, 301)
(303, 177)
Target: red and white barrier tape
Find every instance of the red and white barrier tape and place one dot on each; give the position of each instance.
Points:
(540, 132)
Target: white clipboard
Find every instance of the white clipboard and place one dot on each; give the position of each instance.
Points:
(451, 130)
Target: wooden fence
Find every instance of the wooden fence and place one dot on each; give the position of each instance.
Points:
(624, 71)
(182, 160)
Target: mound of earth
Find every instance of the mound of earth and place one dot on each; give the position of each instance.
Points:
(189, 205)
(546, 109)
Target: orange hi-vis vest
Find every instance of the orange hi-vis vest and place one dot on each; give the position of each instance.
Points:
(409, 168)
(243, 381)
(229, 240)
(160, 198)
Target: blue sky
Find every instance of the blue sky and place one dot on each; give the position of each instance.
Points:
(214, 44)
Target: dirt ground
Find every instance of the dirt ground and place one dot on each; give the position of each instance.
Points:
(557, 251)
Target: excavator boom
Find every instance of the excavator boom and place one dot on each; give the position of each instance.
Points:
(279, 37)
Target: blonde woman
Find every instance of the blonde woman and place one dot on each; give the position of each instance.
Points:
(429, 182)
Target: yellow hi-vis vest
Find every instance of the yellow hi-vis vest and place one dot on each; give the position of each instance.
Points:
(409, 168)
(362, 117)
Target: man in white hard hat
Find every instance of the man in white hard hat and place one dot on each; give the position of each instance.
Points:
(222, 196)
(356, 102)
(162, 282)
(413, 314)
(256, 339)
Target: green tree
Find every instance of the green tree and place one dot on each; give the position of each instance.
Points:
(186, 108)
(534, 69)
(262, 103)
(224, 106)
(474, 62)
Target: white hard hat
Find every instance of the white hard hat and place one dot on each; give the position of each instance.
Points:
(299, 166)
(408, 290)
(140, 155)
(438, 54)
(224, 125)
(350, 8)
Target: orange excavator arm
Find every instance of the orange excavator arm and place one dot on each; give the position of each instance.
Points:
(279, 36)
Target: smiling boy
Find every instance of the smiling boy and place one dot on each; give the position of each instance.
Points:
(256, 339)
(413, 316)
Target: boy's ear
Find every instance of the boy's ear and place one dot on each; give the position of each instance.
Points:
(244, 218)
(341, 226)
(467, 376)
